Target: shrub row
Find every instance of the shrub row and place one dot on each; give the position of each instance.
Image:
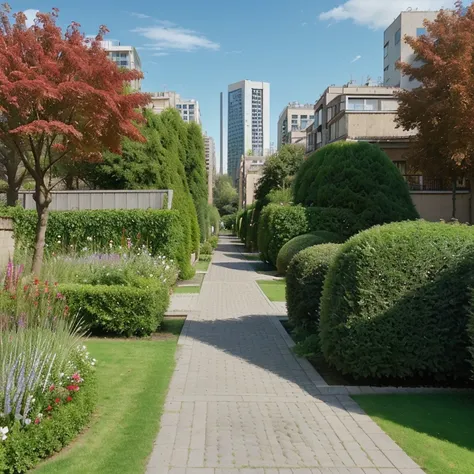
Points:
(395, 302)
(161, 231)
(120, 310)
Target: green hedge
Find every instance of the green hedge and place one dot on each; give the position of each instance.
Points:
(304, 284)
(357, 176)
(120, 310)
(278, 225)
(470, 330)
(394, 302)
(160, 230)
(297, 244)
(24, 448)
(342, 222)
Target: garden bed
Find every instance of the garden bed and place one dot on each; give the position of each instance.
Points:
(133, 377)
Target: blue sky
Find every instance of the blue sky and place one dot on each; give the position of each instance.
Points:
(197, 48)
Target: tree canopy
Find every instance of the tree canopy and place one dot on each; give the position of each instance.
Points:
(225, 195)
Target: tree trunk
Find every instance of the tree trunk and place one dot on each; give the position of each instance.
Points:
(12, 194)
(43, 199)
(453, 217)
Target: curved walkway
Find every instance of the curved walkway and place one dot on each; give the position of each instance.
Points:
(240, 402)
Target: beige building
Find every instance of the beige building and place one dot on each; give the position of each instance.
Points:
(210, 148)
(293, 122)
(359, 113)
(250, 172)
(188, 108)
(409, 23)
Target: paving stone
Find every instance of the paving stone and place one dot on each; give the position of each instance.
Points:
(240, 402)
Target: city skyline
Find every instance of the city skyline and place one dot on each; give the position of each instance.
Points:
(198, 51)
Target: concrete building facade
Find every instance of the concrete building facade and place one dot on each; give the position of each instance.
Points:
(210, 149)
(409, 23)
(293, 122)
(248, 124)
(188, 108)
(250, 172)
(124, 56)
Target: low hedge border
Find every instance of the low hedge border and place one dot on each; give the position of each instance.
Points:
(24, 448)
(120, 310)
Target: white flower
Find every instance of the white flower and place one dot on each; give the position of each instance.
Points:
(61, 375)
(89, 239)
(27, 421)
(59, 241)
(40, 415)
(3, 433)
(33, 400)
(167, 267)
(59, 236)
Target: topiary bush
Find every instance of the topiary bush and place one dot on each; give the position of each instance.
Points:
(357, 176)
(297, 244)
(304, 284)
(394, 302)
(278, 225)
(206, 249)
(342, 222)
(120, 310)
(214, 241)
(470, 330)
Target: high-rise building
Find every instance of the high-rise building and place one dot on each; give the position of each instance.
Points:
(293, 122)
(210, 148)
(221, 157)
(188, 108)
(124, 56)
(395, 49)
(248, 124)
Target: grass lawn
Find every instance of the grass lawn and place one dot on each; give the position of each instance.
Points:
(133, 380)
(273, 289)
(434, 430)
(184, 290)
(202, 266)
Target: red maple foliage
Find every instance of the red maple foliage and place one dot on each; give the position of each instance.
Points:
(60, 98)
(441, 109)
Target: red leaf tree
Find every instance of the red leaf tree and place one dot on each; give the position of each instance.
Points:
(441, 110)
(61, 98)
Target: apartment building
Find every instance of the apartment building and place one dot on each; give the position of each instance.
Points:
(210, 149)
(408, 23)
(248, 124)
(188, 108)
(359, 113)
(124, 56)
(249, 174)
(293, 122)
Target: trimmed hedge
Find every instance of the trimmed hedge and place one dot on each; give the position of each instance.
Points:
(297, 244)
(342, 222)
(304, 284)
(357, 176)
(161, 230)
(278, 225)
(395, 302)
(120, 310)
(470, 330)
(24, 448)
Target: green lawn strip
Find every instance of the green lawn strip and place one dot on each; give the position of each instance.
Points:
(181, 290)
(252, 256)
(434, 430)
(133, 377)
(202, 266)
(273, 289)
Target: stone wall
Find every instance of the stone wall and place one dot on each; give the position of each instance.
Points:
(7, 243)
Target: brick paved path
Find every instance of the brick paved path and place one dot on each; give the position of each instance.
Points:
(241, 403)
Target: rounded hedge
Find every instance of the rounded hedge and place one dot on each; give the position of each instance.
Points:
(304, 284)
(357, 176)
(299, 243)
(395, 301)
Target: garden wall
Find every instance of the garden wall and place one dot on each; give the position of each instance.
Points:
(7, 243)
(436, 205)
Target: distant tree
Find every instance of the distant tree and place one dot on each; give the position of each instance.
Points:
(225, 195)
(60, 98)
(441, 110)
(279, 169)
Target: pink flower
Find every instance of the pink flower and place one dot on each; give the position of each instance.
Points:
(51, 388)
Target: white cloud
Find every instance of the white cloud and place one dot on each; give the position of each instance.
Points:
(356, 58)
(30, 16)
(166, 36)
(142, 16)
(237, 51)
(304, 23)
(378, 14)
(160, 54)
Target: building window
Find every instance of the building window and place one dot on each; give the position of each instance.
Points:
(398, 36)
(385, 49)
(386, 68)
(191, 106)
(185, 106)
(420, 31)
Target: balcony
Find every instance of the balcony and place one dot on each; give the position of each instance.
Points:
(418, 182)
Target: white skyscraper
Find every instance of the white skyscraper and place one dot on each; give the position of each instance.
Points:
(248, 124)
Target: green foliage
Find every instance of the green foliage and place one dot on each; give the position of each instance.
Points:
(26, 446)
(117, 309)
(225, 195)
(355, 176)
(304, 285)
(214, 219)
(161, 231)
(394, 302)
(342, 222)
(470, 329)
(279, 168)
(214, 241)
(299, 243)
(278, 225)
(206, 249)
(229, 221)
